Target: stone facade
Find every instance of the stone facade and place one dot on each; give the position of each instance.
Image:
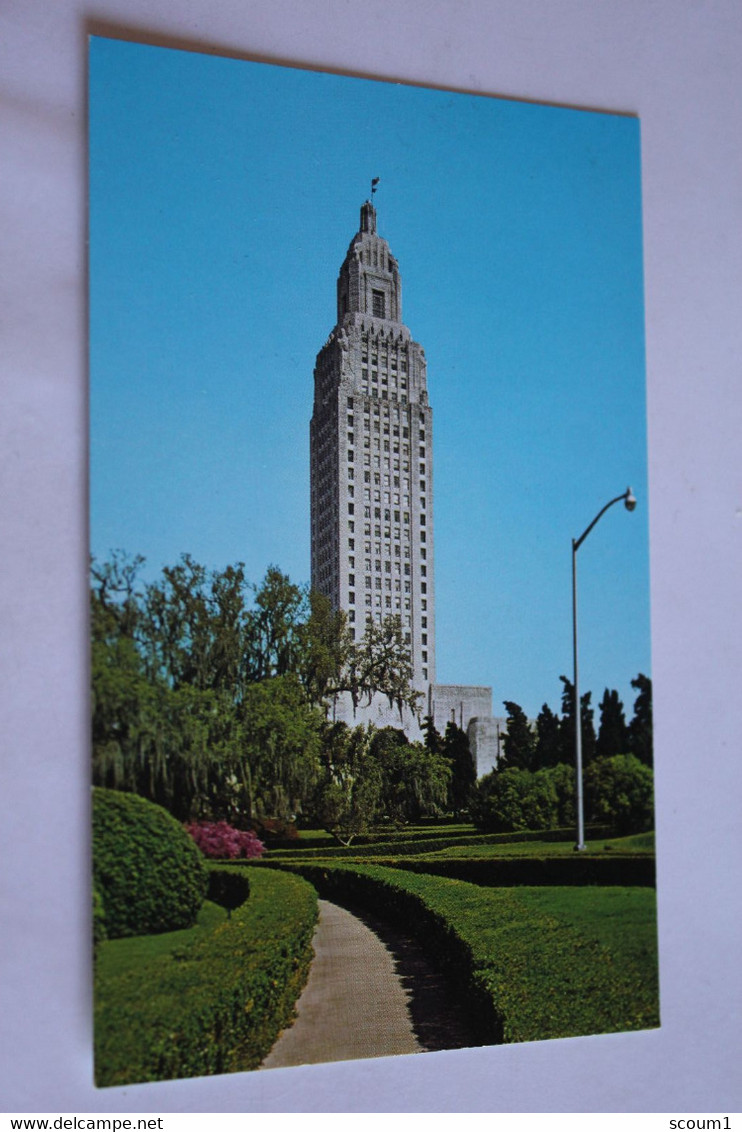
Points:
(470, 708)
(371, 471)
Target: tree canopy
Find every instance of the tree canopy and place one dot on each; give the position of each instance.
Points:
(210, 693)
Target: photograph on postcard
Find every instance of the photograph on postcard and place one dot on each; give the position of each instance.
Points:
(371, 679)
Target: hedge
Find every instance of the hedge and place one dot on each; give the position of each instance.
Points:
(632, 869)
(216, 1005)
(228, 888)
(504, 872)
(524, 974)
(413, 846)
(149, 874)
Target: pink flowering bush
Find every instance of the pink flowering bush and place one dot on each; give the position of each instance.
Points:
(218, 839)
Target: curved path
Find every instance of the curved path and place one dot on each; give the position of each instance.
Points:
(353, 1004)
(366, 999)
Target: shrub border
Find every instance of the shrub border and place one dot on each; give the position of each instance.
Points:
(387, 846)
(218, 1005)
(630, 869)
(504, 872)
(492, 1011)
(356, 888)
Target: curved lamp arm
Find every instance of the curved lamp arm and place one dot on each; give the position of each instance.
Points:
(629, 502)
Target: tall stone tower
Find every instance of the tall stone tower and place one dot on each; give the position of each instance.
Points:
(372, 458)
(372, 489)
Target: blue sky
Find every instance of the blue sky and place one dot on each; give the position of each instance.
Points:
(223, 196)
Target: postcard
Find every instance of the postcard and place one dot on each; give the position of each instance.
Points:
(371, 687)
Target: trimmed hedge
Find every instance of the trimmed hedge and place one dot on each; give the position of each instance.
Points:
(525, 973)
(504, 872)
(393, 847)
(216, 1005)
(147, 870)
(607, 869)
(228, 888)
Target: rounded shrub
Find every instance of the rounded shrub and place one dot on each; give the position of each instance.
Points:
(150, 875)
(515, 799)
(619, 792)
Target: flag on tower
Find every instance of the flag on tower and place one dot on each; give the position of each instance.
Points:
(374, 183)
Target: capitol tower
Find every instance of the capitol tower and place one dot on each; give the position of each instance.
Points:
(371, 464)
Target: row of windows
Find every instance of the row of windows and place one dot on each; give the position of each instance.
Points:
(377, 529)
(371, 392)
(376, 444)
(380, 424)
(387, 362)
(385, 412)
(399, 384)
(387, 549)
(389, 459)
(389, 497)
(376, 583)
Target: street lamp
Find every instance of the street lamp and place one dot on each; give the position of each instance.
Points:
(629, 502)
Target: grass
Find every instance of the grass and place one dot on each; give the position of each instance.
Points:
(448, 841)
(638, 843)
(535, 962)
(119, 956)
(209, 999)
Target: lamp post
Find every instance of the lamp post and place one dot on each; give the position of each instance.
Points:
(629, 503)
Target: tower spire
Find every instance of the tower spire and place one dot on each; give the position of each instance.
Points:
(368, 218)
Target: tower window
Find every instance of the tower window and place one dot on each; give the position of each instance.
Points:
(377, 298)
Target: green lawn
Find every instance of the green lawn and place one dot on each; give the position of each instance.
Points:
(638, 843)
(209, 999)
(458, 841)
(119, 956)
(389, 833)
(535, 962)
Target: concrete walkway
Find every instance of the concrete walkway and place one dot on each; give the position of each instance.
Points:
(354, 1004)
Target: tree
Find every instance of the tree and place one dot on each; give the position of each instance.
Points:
(618, 791)
(519, 743)
(457, 752)
(515, 799)
(415, 781)
(562, 778)
(327, 649)
(348, 795)
(124, 703)
(209, 693)
(275, 627)
(640, 729)
(433, 738)
(281, 746)
(381, 663)
(567, 725)
(612, 733)
(548, 738)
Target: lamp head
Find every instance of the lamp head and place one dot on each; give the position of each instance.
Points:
(629, 500)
